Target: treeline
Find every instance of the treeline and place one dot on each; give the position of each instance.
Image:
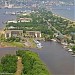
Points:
(31, 27)
(37, 24)
(32, 65)
(8, 64)
(73, 49)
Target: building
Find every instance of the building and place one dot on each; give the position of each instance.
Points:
(34, 34)
(24, 20)
(13, 33)
(12, 21)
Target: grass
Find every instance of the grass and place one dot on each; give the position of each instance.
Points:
(17, 44)
(32, 43)
(13, 44)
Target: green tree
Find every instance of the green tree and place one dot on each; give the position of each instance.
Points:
(73, 48)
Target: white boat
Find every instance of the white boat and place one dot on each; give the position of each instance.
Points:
(53, 40)
(39, 46)
(73, 55)
(64, 44)
(70, 50)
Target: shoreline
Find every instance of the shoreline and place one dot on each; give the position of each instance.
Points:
(63, 17)
(47, 55)
(2, 29)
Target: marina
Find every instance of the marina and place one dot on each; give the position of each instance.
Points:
(38, 44)
(57, 59)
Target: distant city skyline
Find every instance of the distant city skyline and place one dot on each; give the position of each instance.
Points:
(36, 2)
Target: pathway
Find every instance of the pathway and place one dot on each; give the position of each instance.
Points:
(19, 66)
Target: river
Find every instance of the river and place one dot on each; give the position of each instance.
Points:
(56, 58)
(5, 17)
(65, 11)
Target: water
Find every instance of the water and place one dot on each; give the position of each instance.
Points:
(57, 59)
(5, 17)
(65, 11)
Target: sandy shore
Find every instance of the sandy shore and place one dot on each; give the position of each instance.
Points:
(64, 17)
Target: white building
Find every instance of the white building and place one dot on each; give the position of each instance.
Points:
(13, 33)
(35, 34)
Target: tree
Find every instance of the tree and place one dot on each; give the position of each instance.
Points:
(73, 48)
(1, 69)
(9, 63)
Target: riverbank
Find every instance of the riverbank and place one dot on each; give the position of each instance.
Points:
(46, 31)
(17, 44)
(56, 58)
(64, 11)
(66, 46)
(63, 17)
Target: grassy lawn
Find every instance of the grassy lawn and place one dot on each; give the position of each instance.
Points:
(12, 44)
(32, 43)
(19, 44)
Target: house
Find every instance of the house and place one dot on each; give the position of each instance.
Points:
(12, 21)
(34, 34)
(24, 20)
(13, 33)
(11, 27)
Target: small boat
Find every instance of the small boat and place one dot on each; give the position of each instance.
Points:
(73, 55)
(39, 46)
(70, 50)
(65, 44)
(53, 40)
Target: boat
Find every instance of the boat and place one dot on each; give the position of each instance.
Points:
(70, 50)
(39, 46)
(53, 40)
(65, 44)
(73, 55)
